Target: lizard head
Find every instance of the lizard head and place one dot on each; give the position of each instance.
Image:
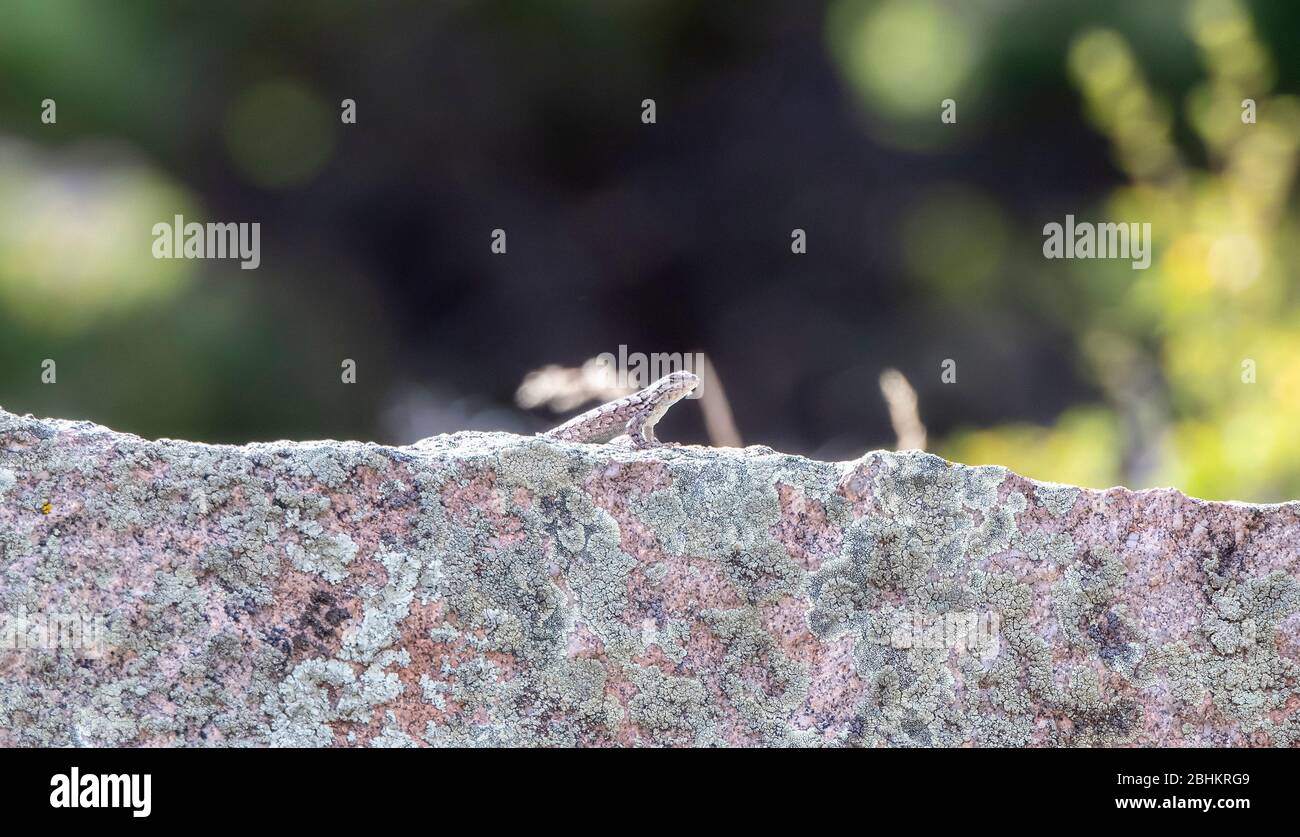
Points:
(676, 385)
(664, 393)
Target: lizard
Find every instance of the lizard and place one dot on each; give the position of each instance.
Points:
(633, 416)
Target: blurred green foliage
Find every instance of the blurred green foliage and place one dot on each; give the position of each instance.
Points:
(1198, 356)
(164, 109)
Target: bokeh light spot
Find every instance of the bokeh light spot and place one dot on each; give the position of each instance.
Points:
(904, 56)
(76, 242)
(954, 238)
(279, 134)
(1235, 261)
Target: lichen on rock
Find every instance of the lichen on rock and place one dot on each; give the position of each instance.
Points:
(483, 589)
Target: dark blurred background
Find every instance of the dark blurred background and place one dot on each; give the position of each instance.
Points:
(924, 239)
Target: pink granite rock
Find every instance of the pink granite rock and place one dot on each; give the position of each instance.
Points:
(489, 589)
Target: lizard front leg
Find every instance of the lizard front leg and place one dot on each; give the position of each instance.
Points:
(641, 432)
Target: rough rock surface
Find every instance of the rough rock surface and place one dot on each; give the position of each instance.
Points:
(490, 589)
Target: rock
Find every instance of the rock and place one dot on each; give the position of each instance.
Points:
(491, 589)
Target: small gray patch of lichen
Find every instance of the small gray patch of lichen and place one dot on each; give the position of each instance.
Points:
(301, 710)
(671, 638)
(540, 467)
(576, 691)
(672, 710)
(910, 699)
(176, 594)
(392, 736)
(1040, 545)
(434, 692)
(1095, 718)
(1057, 499)
(1235, 661)
(1083, 593)
(817, 481)
(998, 528)
(725, 510)
(507, 598)
(921, 535)
(656, 572)
(507, 594)
(586, 548)
(383, 609)
(104, 720)
(598, 569)
(761, 683)
(933, 528)
(7, 481)
(327, 555)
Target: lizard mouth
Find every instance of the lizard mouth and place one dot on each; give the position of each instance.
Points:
(685, 387)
